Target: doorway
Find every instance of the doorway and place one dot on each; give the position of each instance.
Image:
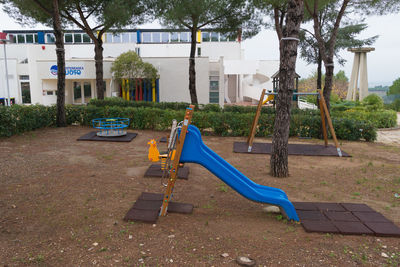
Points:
(82, 92)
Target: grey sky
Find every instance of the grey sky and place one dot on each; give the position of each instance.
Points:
(383, 63)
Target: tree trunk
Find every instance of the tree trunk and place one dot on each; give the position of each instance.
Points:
(288, 55)
(319, 71)
(192, 70)
(98, 57)
(60, 117)
(328, 84)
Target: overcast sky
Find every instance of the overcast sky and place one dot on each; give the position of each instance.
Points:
(383, 63)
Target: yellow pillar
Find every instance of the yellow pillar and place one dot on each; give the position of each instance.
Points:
(153, 86)
(199, 36)
(123, 88)
(127, 89)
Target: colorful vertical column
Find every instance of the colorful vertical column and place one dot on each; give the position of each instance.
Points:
(144, 90)
(140, 90)
(198, 36)
(127, 89)
(123, 88)
(158, 90)
(153, 87)
(136, 89)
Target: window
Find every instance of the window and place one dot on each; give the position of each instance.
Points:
(25, 61)
(198, 51)
(77, 38)
(87, 91)
(133, 37)
(86, 38)
(26, 92)
(116, 38)
(146, 37)
(165, 37)
(214, 37)
(68, 38)
(184, 37)
(223, 37)
(125, 37)
(21, 38)
(109, 38)
(29, 38)
(205, 36)
(50, 39)
(137, 50)
(49, 92)
(77, 92)
(156, 37)
(36, 38)
(214, 89)
(174, 37)
(24, 77)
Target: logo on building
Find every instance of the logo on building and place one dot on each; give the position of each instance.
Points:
(68, 70)
(53, 69)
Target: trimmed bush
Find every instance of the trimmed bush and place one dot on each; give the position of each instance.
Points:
(19, 119)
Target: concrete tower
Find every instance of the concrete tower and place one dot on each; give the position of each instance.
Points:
(359, 67)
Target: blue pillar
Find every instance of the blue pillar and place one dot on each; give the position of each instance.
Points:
(157, 90)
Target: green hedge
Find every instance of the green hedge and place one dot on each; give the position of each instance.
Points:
(19, 119)
(380, 118)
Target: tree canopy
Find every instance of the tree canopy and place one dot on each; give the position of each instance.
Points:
(129, 65)
(225, 16)
(394, 89)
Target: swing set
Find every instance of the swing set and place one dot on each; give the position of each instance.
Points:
(325, 117)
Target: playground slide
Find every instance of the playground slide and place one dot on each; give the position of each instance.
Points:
(195, 151)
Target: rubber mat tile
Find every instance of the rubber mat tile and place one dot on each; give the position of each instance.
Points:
(176, 207)
(155, 171)
(151, 196)
(293, 149)
(141, 204)
(352, 228)
(329, 206)
(343, 216)
(319, 226)
(92, 136)
(149, 216)
(311, 215)
(304, 206)
(384, 229)
(371, 217)
(357, 207)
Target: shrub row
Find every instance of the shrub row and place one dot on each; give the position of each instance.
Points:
(18, 119)
(119, 102)
(379, 118)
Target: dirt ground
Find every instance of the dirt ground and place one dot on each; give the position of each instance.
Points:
(62, 204)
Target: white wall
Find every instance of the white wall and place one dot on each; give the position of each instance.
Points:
(12, 78)
(174, 79)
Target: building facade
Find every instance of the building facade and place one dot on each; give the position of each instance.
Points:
(222, 74)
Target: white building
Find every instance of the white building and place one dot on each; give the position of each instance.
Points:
(222, 74)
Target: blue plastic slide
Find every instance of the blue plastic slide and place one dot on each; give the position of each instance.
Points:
(195, 151)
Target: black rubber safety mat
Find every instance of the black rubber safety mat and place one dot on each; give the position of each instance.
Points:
(293, 149)
(147, 208)
(155, 171)
(92, 136)
(344, 218)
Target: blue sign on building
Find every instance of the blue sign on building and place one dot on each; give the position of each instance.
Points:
(68, 70)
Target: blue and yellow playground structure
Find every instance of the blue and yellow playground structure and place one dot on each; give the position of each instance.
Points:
(187, 146)
(140, 89)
